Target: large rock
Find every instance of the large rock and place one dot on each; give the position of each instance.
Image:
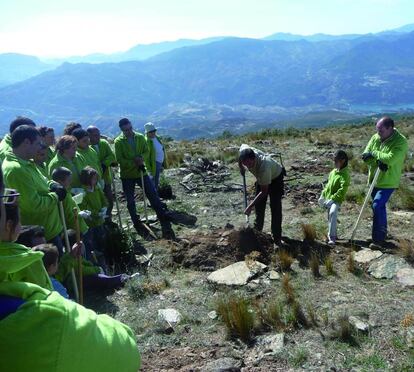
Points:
(270, 345)
(223, 365)
(405, 277)
(366, 255)
(239, 273)
(171, 316)
(387, 266)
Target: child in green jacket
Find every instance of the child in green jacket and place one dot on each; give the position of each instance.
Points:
(333, 195)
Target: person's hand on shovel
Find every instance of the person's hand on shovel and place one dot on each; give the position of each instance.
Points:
(248, 210)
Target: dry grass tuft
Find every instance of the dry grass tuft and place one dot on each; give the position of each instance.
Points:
(351, 265)
(314, 265)
(285, 259)
(406, 250)
(288, 289)
(271, 316)
(309, 232)
(408, 321)
(329, 266)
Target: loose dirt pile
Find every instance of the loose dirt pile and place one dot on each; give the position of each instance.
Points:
(222, 247)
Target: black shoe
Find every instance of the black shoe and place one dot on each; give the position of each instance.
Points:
(167, 231)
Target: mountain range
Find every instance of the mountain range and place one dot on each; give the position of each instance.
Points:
(227, 83)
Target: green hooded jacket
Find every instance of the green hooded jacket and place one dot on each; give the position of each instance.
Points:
(20, 264)
(337, 186)
(125, 154)
(94, 201)
(150, 158)
(43, 169)
(75, 166)
(68, 205)
(91, 158)
(391, 152)
(38, 206)
(67, 263)
(106, 157)
(49, 333)
(5, 147)
(51, 153)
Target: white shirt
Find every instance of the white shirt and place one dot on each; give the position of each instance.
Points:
(159, 150)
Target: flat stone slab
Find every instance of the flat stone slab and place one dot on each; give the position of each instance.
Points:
(366, 255)
(387, 266)
(359, 324)
(405, 277)
(238, 273)
(170, 316)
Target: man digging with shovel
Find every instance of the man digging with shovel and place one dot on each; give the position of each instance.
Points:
(386, 150)
(269, 182)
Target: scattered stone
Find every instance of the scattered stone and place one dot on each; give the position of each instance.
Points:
(274, 275)
(387, 266)
(409, 336)
(212, 315)
(223, 365)
(359, 324)
(238, 273)
(188, 177)
(171, 316)
(269, 345)
(405, 277)
(366, 255)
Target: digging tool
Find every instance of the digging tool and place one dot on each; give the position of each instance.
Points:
(118, 211)
(144, 196)
(78, 240)
(245, 197)
(68, 249)
(371, 188)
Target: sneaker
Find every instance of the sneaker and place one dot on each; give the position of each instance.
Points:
(332, 242)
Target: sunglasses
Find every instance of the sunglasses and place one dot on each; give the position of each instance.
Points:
(10, 196)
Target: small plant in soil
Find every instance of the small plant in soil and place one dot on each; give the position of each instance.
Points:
(309, 233)
(285, 259)
(236, 314)
(312, 315)
(299, 316)
(143, 288)
(408, 321)
(351, 265)
(288, 289)
(314, 265)
(271, 315)
(406, 250)
(329, 266)
(343, 331)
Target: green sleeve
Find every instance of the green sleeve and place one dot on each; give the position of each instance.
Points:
(339, 195)
(108, 156)
(66, 264)
(119, 155)
(395, 156)
(370, 148)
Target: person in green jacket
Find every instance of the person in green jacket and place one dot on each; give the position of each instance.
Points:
(10, 252)
(39, 200)
(40, 160)
(156, 159)
(48, 138)
(130, 150)
(386, 150)
(107, 160)
(5, 144)
(333, 194)
(67, 156)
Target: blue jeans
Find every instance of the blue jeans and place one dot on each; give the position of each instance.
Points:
(128, 185)
(158, 171)
(380, 198)
(94, 240)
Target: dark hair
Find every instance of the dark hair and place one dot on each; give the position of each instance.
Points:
(21, 120)
(80, 133)
(123, 122)
(387, 122)
(92, 129)
(29, 233)
(60, 174)
(86, 175)
(341, 155)
(69, 128)
(22, 133)
(50, 254)
(12, 214)
(246, 153)
(45, 130)
(64, 143)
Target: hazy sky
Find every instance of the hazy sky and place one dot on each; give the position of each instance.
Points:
(77, 27)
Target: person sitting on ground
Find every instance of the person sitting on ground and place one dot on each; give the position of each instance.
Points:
(333, 194)
(67, 156)
(39, 200)
(48, 138)
(156, 158)
(269, 182)
(13, 254)
(107, 160)
(5, 144)
(31, 317)
(130, 150)
(386, 150)
(40, 160)
(70, 127)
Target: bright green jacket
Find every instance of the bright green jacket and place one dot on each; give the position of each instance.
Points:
(75, 166)
(67, 263)
(94, 201)
(337, 186)
(125, 154)
(391, 152)
(51, 152)
(150, 158)
(5, 147)
(20, 264)
(43, 169)
(38, 206)
(68, 205)
(106, 157)
(92, 159)
(49, 333)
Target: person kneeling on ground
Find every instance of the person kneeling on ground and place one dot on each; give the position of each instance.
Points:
(269, 175)
(333, 194)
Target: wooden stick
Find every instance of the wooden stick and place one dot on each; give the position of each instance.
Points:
(78, 240)
(68, 250)
(118, 211)
(144, 196)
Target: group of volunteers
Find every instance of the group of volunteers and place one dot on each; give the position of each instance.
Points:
(386, 150)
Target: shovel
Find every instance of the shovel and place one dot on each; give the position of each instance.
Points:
(145, 206)
(245, 198)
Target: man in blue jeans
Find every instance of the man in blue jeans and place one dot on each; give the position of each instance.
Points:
(130, 150)
(386, 150)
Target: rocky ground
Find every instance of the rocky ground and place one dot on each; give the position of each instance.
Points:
(357, 314)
